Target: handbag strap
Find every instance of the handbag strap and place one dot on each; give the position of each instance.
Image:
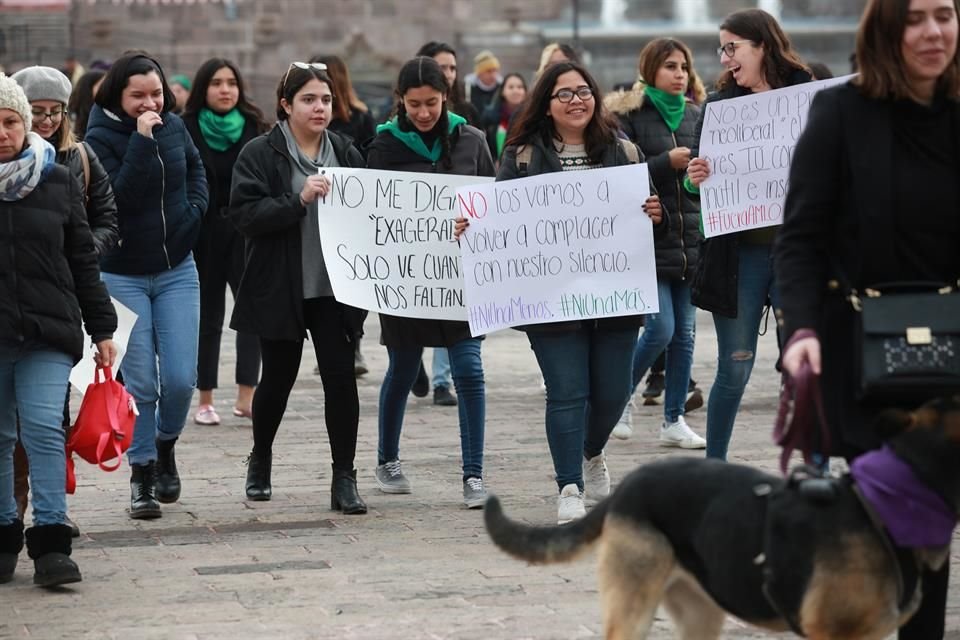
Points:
(115, 435)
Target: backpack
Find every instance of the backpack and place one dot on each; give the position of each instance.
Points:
(85, 161)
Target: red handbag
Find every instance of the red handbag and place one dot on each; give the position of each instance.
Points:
(104, 426)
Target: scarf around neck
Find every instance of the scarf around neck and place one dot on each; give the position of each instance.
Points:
(221, 131)
(912, 513)
(671, 107)
(414, 139)
(20, 176)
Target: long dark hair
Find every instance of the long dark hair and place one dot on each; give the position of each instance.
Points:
(347, 99)
(201, 82)
(131, 64)
(761, 28)
(424, 71)
(293, 80)
(532, 123)
(81, 100)
(456, 95)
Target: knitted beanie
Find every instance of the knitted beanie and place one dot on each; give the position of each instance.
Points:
(12, 97)
(485, 61)
(44, 83)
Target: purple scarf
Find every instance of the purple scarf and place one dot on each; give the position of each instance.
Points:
(912, 513)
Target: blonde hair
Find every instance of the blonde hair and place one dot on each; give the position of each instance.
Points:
(63, 138)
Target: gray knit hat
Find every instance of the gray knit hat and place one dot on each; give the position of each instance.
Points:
(12, 97)
(44, 83)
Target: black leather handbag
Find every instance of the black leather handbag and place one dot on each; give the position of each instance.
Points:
(907, 341)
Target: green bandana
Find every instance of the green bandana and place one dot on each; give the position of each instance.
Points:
(413, 140)
(221, 131)
(671, 107)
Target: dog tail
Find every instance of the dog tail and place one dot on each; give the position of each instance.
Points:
(543, 545)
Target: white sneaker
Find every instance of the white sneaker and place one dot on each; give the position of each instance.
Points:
(596, 478)
(570, 504)
(679, 434)
(624, 428)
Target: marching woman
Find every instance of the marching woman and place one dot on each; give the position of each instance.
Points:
(161, 194)
(586, 364)
(285, 290)
(49, 283)
(426, 137)
(499, 115)
(734, 276)
(221, 121)
(657, 116)
(851, 217)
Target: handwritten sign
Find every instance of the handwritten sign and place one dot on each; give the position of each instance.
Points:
(558, 246)
(387, 239)
(749, 143)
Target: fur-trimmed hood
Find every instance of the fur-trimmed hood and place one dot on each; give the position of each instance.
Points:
(623, 102)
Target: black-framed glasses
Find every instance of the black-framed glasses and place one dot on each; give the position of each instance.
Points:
(730, 48)
(566, 95)
(40, 115)
(319, 66)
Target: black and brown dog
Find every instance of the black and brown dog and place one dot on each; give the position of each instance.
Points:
(707, 538)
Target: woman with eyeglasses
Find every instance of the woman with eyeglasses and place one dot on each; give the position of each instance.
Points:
(734, 277)
(426, 137)
(48, 91)
(161, 194)
(50, 291)
(586, 364)
(221, 121)
(285, 291)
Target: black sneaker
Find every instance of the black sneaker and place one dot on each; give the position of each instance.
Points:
(655, 383)
(443, 397)
(421, 386)
(694, 398)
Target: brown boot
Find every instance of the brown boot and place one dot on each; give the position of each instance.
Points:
(21, 479)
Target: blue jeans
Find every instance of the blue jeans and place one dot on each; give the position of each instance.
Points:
(160, 366)
(737, 345)
(32, 383)
(467, 369)
(673, 329)
(587, 373)
(440, 368)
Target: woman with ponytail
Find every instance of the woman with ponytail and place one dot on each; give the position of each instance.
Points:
(426, 137)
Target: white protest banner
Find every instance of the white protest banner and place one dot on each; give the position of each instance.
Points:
(558, 246)
(82, 373)
(387, 239)
(749, 143)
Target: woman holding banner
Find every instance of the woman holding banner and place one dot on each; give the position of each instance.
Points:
(425, 137)
(586, 365)
(854, 215)
(734, 276)
(285, 290)
(657, 116)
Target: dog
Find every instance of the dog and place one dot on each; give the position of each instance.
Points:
(806, 553)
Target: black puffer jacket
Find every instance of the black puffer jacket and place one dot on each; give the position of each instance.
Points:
(470, 157)
(268, 213)
(101, 208)
(677, 249)
(49, 278)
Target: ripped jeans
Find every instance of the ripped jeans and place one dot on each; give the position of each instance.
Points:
(737, 345)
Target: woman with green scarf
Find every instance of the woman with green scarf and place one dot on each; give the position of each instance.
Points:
(221, 121)
(658, 117)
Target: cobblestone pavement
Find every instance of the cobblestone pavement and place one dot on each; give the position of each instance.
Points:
(417, 566)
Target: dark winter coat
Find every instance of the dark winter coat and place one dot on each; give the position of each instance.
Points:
(470, 157)
(544, 160)
(714, 286)
(49, 278)
(360, 129)
(268, 213)
(840, 216)
(159, 186)
(100, 205)
(677, 249)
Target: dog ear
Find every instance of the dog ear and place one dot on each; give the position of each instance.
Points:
(891, 422)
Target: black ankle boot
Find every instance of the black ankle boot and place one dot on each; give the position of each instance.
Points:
(143, 492)
(343, 493)
(258, 477)
(49, 546)
(168, 480)
(11, 542)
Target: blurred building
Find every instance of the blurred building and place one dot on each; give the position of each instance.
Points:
(376, 36)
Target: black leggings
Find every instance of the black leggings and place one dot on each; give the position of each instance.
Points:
(281, 362)
(929, 620)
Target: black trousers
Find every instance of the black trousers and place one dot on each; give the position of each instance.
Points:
(334, 348)
(929, 620)
(220, 256)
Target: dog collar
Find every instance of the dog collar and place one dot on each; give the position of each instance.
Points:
(913, 514)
